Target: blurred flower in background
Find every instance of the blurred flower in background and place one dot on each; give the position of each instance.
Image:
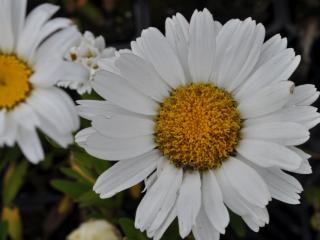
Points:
(95, 230)
(31, 56)
(84, 61)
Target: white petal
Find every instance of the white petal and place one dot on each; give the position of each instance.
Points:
(238, 204)
(213, 202)
(241, 55)
(265, 101)
(267, 154)
(286, 133)
(82, 136)
(30, 145)
(246, 182)
(305, 167)
(3, 114)
(305, 115)
(18, 16)
(90, 108)
(303, 95)
(270, 72)
(142, 76)
(161, 230)
(35, 20)
(125, 174)
(117, 149)
(203, 230)
(123, 126)
(63, 139)
(272, 47)
(25, 116)
(281, 185)
(7, 35)
(119, 92)
(189, 202)
(158, 51)
(55, 106)
(55, 46)
(49, 73)
(167, 185)
(202, 46)
(177, 33)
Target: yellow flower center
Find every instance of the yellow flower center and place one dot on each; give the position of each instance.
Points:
(198, 126)
(14, 81)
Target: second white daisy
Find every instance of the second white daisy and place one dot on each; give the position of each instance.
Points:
(207, 117)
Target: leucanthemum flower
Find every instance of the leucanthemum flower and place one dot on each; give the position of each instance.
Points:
(84, 61)
(207, 117)
(31, 55)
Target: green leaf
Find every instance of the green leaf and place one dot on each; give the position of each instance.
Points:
(14, 181)
(130, 231)
(312, 195)
(3, 230)
(238, 225)
(90, 198)
(9, 155)
(70, 188)
(75, 175)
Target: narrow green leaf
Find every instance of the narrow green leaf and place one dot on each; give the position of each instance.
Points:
(130, 231)
(70, 188)
(3, 230)
(14, 182)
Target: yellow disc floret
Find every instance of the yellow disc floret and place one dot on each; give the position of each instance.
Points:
(198, 126)
(14, 81)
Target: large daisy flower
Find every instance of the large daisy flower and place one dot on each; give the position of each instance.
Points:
(31, 55)
(207, 117)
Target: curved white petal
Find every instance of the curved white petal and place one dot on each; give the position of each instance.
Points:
(281, 185)
(305, 115)
(268, 154)
(177, 33)
(142, 76)
(266, 100)
(246, 182)
(202, 46)
(117, 149)
(118, 91)
(274, 70)
(30, 145)
(123, 126)
(189, 202)
(203, 230)
(125, 174)
(304, 95)
(7, 34)
(157, 50)
(286, 133)
(213, 201)
(167, 185)
(36, 19)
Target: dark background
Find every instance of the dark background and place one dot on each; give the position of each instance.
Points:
(121, 21)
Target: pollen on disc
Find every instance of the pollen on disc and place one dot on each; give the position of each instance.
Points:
(198, 126)
(14, 81)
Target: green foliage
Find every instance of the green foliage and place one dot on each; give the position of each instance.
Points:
(127, 226)
(3, 230)
(14, 180)
(238, 225)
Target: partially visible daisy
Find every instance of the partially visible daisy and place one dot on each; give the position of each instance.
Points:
(31, 56)
(86, 54)
(207, 117)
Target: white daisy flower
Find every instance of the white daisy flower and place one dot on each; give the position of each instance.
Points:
(31, 55)
(86, 55)
(207, 117)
